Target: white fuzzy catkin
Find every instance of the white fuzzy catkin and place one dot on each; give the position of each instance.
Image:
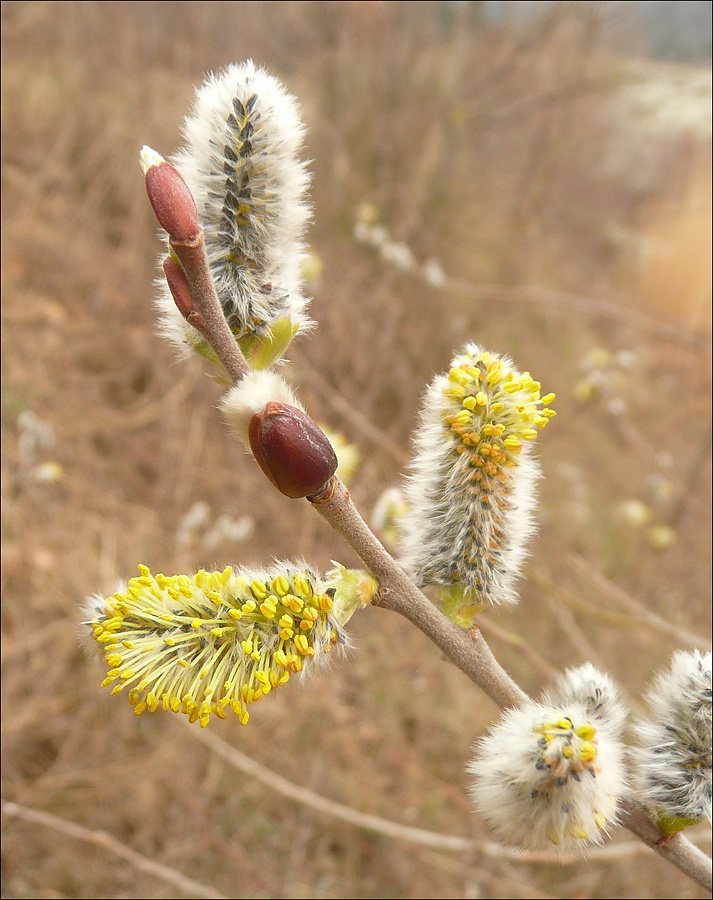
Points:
(545, 775)
(241, 162)
(673, 759)
(472, 487)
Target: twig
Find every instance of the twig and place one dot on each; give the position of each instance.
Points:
(469, 652)
(107, 842)
(395, 830)
(473, 657)
(331, 808)
(207, 313)
(397, 592)
(644, 616)
(592, 306)
(679, 851)
(512, 639)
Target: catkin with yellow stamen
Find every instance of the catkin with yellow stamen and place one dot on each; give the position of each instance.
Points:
(472, 487)
(549, 775)
(215, 641)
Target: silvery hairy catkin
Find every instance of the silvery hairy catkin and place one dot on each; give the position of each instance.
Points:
(241, 163)
(472, 487)
(673, 757)
(552, 773)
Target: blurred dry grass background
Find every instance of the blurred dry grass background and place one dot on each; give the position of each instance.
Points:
(573, 239)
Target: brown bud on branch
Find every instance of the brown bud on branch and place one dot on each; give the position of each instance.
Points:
(291, 449)
(170, 197)
(180, 291)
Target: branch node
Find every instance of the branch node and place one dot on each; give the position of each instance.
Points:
(325, 493)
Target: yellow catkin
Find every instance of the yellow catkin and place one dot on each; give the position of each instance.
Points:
(169, 641)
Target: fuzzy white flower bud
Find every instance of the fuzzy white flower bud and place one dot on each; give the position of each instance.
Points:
(673, 760)
(240, 161)
(546, 775)
(472, 487)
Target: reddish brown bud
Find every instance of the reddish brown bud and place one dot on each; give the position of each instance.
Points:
(178, 286)
(292, 450)
(172, 202)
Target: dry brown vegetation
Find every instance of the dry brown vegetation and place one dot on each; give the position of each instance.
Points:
(486, 149)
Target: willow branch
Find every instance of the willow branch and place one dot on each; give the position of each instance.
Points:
(472, 656)
(207, 314)
(194, 293)
(676, 849)
(469, 652)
